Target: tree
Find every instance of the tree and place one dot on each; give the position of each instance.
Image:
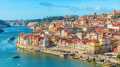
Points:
(118, 56)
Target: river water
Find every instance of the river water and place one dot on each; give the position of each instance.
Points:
(8, 50)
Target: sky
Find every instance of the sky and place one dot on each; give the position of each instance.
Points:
(34, 9)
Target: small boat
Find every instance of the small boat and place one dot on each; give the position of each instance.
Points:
(106, 65)
(11, 39)
(16, 57)
(75, 57)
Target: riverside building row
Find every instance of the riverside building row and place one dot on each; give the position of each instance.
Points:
(90, 34)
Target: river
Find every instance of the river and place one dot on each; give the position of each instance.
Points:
(8, 50)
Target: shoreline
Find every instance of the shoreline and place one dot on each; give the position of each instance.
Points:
(90, 59)
(33, 53)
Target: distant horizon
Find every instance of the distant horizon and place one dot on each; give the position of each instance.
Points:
(34, 9)
(59, 15)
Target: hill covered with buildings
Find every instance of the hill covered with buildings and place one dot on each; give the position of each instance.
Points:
(84, 36)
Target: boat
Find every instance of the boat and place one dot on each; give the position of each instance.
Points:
(11, 39)
(16, 57)
(106, 65)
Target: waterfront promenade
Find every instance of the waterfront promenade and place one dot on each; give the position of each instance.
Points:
(67, 54)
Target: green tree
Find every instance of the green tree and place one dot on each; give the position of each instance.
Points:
(118, 56)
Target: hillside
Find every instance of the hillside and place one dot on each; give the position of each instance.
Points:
(3, 24)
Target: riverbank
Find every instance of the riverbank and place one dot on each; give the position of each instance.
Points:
(49, 53)
(66, 54)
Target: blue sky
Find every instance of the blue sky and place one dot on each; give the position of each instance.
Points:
(31, 9)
